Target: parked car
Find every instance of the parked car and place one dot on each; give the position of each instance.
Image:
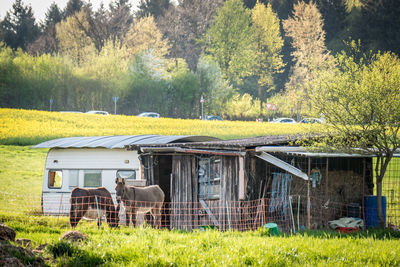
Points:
(311, 120)
(149, 115)
(213, 118)
(98, 112)
(284, 120)
(70, 111)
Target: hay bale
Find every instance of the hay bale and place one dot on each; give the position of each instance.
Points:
(74, 236)
(6, 233)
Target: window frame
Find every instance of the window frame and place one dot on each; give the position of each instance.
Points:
(209, 179)
(55, 171)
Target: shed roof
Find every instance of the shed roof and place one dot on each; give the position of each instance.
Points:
(120, 141)
(234, 144)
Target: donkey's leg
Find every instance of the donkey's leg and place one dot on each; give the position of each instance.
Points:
(127, 215)
(134, 217)
(73, 216)
(156, 212)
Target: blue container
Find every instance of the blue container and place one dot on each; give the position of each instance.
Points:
(371, 212)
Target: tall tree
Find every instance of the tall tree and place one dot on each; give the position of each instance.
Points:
(73, 38)
(229, 40)
(120, 19)
(305, 28)
(47, 41)
(381, 24)
(185, 25)
(53, 16)
(72, 7)
(144, 36)
(269, 43)
(361, 103)
(155, 8)
(19, 27)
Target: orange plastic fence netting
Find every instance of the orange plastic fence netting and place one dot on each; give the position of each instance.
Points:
(290, 213)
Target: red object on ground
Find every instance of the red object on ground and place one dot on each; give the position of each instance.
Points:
(347, 230)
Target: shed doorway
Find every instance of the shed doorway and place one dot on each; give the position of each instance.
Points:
(162, 177)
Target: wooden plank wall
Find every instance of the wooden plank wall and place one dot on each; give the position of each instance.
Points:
(184, 204)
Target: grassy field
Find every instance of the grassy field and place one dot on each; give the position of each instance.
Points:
(148, 247)
(21, 170)
(27, 127)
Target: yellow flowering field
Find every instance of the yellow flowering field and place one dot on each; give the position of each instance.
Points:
(26, 127)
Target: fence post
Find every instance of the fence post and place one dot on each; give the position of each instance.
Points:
(98, 213)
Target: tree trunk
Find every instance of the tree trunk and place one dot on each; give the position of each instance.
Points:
(382, 163)
(379, 202)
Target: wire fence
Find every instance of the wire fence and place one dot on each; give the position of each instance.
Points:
(290, 213)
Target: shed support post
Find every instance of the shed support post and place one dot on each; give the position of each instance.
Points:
(308, 195)
(326, 189)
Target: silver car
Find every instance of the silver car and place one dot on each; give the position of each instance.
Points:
(284, 120)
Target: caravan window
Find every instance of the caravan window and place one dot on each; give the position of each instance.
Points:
(92, 178)
(73, 178)
(55, 179)
(127, 174)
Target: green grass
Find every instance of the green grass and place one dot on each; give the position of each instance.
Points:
(21, 177)
(149, 247)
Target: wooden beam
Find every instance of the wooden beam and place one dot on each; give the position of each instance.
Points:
(204, 205)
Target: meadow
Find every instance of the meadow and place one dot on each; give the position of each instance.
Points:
(21, 170)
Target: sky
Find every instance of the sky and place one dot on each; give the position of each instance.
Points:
(40, 7)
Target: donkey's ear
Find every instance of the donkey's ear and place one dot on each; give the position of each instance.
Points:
(123, 180)
(116, 180)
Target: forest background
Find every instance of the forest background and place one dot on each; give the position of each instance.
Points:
(164, 56)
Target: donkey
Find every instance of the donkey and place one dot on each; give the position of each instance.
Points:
(140, 200)
(93, 203)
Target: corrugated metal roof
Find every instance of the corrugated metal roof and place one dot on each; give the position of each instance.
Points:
(242, 143)
(120, 141)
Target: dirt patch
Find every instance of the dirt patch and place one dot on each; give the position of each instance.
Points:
(6, 233)
(17, 256)
(24, 242)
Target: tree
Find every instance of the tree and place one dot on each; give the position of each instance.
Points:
(381, 24)
(47, 41)
(155, 8)
(53, 16)
(269, 43)
(185, 25)
(229, 40)
(361, 103)
(19, 27)
(120, 19)
(305, 28)
(72, 7)
(214, 88)
(74, 42)
(144, 36)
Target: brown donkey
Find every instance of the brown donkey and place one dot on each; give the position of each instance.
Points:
(140, 200)
(93, 203)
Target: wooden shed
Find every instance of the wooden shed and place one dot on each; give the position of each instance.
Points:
(245, 183)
